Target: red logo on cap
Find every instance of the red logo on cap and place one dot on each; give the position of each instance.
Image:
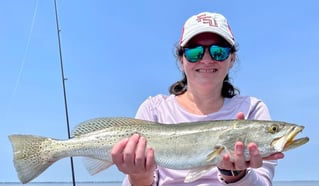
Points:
(207, 20)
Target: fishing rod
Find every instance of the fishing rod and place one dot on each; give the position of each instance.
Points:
(63, 84)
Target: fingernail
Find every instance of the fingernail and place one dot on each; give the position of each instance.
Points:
(254, 150)
(142, 138)
(239, 148)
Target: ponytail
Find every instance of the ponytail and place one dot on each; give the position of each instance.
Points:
(179, 87)
(228, 90)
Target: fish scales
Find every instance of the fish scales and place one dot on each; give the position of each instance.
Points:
(170, 142)
(166, 140)
(197, 146)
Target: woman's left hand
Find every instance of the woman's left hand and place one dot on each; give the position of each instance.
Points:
(239, 162)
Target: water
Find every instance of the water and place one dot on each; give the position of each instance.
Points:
(276, 183)
(66, 184)
(296, 183)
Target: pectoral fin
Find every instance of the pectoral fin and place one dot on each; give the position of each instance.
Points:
(212, 157)
(195, 174)
(215, 155)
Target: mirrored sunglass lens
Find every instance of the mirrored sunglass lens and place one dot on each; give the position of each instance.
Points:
(194, 54)
(219, 53)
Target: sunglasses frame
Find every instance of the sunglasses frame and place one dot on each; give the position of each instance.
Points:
(226, 49)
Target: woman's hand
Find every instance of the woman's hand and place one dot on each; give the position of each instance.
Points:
(253, 147)
(132, 158)
(239, 162)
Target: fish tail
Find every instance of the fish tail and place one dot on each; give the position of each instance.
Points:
(29, 158)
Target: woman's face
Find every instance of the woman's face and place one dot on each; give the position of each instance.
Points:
(206, 71)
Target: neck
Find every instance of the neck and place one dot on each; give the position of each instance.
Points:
(201, 102)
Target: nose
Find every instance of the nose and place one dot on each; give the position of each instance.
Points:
(206, 58)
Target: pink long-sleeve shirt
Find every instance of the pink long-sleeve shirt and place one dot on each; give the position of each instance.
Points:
(165, 109)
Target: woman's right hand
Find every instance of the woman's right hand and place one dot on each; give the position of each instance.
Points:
(132, 157)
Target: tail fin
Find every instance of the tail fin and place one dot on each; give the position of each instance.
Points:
(28, 159)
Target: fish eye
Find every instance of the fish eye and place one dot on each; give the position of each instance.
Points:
(273, 129)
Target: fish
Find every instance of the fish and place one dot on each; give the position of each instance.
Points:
(195, 146)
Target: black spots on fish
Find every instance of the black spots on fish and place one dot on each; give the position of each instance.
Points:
(274, 129)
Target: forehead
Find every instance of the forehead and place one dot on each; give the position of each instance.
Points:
(207, 39)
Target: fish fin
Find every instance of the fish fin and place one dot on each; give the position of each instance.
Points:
(97, 124)
(215, 154)
(28, 158)
(213, 157)
(195, 174)
(94, 166)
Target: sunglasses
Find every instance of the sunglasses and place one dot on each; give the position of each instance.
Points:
(218, 53)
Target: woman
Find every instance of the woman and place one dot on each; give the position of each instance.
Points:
(206, 53)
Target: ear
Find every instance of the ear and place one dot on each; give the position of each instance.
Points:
(232, 60)
(181, 63)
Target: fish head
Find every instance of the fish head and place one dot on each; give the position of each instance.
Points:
(279, 137)
(270, 136)
(286, 139)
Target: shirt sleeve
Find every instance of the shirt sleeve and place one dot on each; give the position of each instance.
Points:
(262, 176)
(126, 182)
(258, 110)
(147, 110)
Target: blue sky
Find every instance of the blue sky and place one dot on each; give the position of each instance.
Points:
(117, 53)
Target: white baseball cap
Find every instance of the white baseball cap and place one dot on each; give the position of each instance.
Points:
(206, 22)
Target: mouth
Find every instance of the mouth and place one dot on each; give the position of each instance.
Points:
(207, 70)
(288, 141)
(292, 142)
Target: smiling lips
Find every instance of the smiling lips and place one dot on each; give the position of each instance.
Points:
(207, 70)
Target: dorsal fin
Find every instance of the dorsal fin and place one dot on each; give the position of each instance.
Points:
(97, 124)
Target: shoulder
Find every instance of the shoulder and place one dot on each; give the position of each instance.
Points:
(157, 100)
(252, 107)
(150, 108)
(245, 100)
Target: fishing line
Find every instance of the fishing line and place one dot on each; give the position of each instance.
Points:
(63, 84)
(24, 57)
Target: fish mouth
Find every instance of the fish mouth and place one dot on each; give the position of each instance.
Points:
(288, 141)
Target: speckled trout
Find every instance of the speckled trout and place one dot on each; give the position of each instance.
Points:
(194, 146)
